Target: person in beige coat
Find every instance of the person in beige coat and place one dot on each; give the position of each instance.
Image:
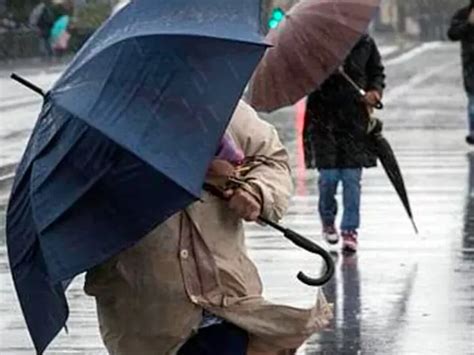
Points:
(192, 273)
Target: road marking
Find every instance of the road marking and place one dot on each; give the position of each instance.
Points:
(7, 177)
(7, 106)
(414, 52)
(416, 80)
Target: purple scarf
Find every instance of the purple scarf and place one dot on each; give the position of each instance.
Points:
(229, 151)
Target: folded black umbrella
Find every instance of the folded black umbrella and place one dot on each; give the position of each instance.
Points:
(379, 145)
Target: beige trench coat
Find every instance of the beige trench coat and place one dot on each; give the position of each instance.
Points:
(150, 298)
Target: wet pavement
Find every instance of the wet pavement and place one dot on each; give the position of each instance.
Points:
(402, 293)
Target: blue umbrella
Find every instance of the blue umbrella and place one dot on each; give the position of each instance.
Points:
(123, 142)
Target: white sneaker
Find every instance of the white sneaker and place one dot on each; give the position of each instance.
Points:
(330, 234)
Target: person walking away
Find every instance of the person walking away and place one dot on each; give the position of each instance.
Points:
(462, 29)
(334, 136)
(59, 35)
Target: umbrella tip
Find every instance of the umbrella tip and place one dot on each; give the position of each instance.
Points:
(414, 226)
(28, 84)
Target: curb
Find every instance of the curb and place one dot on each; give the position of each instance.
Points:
(7, 174)
(31, 66)
(7, 169)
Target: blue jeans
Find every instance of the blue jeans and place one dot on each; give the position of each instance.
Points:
(351, 183)
(470, 112)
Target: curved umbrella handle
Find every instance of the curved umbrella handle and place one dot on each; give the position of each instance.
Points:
(298, 240)
(310, 246)
(379, 105)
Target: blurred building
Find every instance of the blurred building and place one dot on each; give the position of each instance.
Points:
(423, 19)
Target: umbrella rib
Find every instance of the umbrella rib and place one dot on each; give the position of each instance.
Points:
(108, 75)
(91, 56)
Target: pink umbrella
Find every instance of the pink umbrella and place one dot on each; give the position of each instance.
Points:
(308, 46)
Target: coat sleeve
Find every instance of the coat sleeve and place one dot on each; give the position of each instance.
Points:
(272, 180)
(375, 70)
(460, 27)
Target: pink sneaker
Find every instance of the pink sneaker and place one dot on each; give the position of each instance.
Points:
(330, 234)
(349, 241)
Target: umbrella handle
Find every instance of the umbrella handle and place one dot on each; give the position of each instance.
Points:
(28, 84)
(298, 240)
(307, 245)
(379, 105)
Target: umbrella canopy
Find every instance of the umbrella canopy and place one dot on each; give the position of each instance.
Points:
(308, 46)
(380, 146)
(123, 141)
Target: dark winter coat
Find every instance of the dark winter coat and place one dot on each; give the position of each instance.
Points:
(335, 132)
(462, 30)
(45, 18)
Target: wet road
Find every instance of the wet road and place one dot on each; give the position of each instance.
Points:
(402, 294)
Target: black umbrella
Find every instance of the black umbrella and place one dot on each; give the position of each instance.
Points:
(379, 145)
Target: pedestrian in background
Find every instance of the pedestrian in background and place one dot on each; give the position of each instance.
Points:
(41, 20)
(59, 35)
(462, 29)
(335, 133)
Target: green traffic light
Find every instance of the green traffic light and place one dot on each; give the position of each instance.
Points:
(278, 14)
(273, 23)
